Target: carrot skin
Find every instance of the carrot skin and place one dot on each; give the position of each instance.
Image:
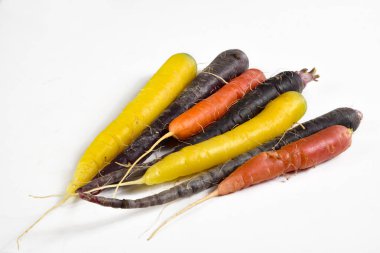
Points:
(347, 117)
(226, 65)
(302, 154)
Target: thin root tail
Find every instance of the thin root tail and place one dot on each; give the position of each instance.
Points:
(60, 203)
(209, 196)
(46, 196)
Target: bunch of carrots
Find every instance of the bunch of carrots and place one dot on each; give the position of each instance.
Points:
(233, 126)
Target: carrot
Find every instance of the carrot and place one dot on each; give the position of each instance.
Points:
(157, 94)
(275, 119)
(246, 108)
(215, 106)
(347, 117)
(224, 67)
(302, 154)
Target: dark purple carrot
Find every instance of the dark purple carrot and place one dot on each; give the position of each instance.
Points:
(347, 117)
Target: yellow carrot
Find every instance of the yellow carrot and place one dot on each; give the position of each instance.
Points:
(165, 85)
(157, 94)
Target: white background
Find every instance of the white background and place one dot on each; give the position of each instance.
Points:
(67, 68)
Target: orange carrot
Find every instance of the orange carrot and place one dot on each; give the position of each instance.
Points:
(299, 155)
(214, 107)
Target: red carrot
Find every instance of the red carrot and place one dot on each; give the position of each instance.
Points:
(302, 154)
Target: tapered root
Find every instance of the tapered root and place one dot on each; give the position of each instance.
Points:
(167, 135)
(60, 203)
(209, 196)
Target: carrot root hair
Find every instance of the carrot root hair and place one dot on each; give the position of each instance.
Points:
(60, 203)
(135, 182)
(199, 201)
(123, 165)
(167, 135)
(219, 77)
